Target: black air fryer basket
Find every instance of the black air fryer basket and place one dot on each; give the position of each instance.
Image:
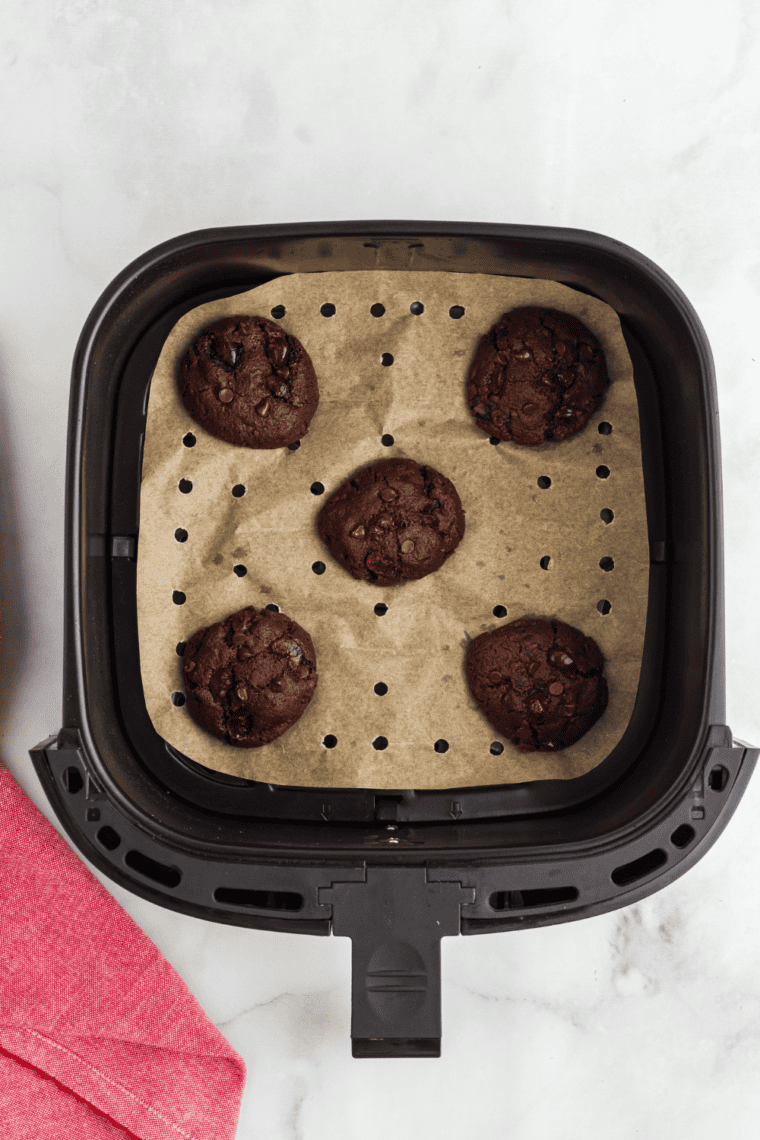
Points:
(393, 871)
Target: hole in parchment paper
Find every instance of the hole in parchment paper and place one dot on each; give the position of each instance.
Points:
(189, 439)
(606, 516)
(178, 699)
(238, 490)
(416, 308)
(240, 570)
(441, 746)
(387, 441)
(381, 688)
(272, 608)
(603, 472)
(278, 312)
(179, 598)
(544, 482)
(181, 648)
(545, 562)
(494, 439)
(330, 741)
(180, 534)
(496, 748)
(377, 309)
(606, 564)
(386, 359)
(185, 486)
(328, 310)
(379, 743)
(294, 446)
(604, 428)
(381, 609)
(604, 606)
(500, 611)
(317, 488)
(318, 567)
(456, 311)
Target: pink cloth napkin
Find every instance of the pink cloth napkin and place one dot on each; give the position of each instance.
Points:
(99, 1037)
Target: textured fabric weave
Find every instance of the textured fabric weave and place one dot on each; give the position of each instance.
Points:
(99, 1037)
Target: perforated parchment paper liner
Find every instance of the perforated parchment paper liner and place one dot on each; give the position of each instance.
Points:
(417, 647)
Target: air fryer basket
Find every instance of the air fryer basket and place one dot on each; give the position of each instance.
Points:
(393, 871)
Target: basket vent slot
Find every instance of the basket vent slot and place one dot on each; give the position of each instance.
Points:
(639, 868)
(718, 778)
(108, 838)
(682, 836)
(540, 896)
(261, 900)
(72, 781)
(151, 869)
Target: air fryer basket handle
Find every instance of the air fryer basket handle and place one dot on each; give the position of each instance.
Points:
(395, 920)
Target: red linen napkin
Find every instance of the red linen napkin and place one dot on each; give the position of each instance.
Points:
(99, 1037)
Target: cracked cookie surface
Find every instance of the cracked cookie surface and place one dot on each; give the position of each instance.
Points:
(393, 521)
(249, 678)
(248, 382)
(538, 681)
(538, 375)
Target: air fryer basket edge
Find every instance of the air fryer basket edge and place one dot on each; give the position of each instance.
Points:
(494, 875)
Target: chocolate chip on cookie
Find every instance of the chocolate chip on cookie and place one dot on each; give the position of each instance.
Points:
(248, 382)
(539, 682)
(538, 375)
(392, 521)
(250, 677)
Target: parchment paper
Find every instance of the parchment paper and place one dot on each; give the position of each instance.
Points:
(417, 648)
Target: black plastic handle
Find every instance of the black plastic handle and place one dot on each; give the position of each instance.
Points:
(395, 920)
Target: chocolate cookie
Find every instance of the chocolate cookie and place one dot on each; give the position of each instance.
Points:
(250, 677)
(538, 682)
(246, 381)
(392, 521)
(537, 375)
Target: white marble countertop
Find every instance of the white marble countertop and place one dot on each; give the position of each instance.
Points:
(125, 123)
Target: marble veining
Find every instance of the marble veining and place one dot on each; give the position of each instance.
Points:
(126, 123)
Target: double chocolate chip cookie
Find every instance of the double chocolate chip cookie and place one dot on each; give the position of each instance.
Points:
(538, 682)
(248, 382)
(538, 375)
(392, 521)
(250, 677)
